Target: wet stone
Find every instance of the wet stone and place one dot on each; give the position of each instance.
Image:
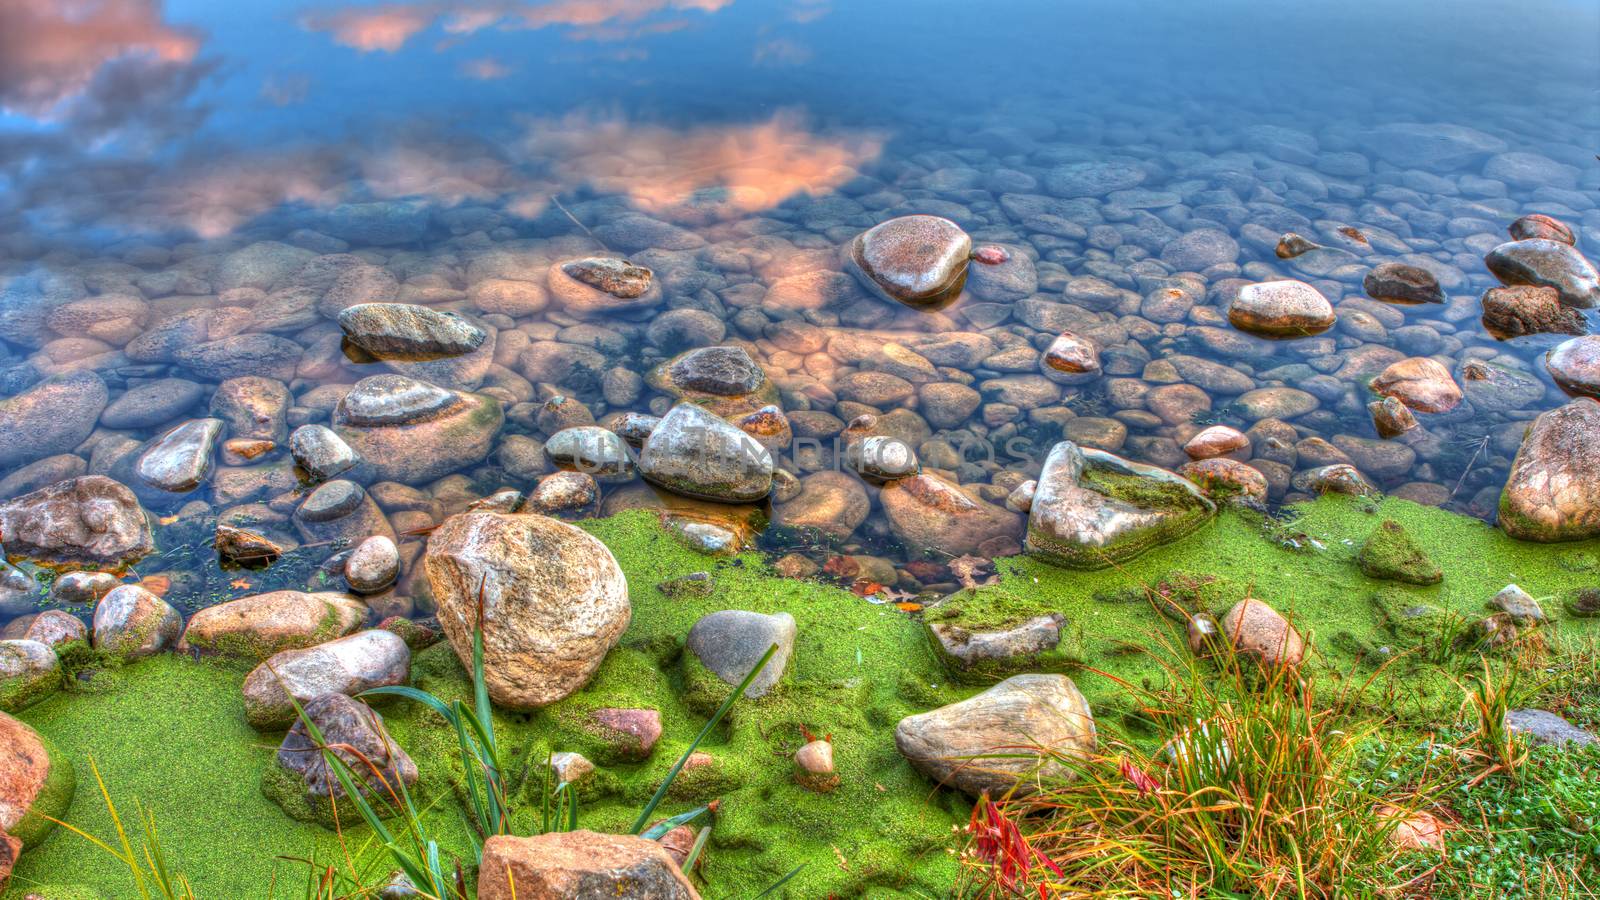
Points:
(407, 331)
(1070, 359)
(912, 259)
(694, 452)
(1421, 384)
(321, 453)
(91, 520)
(1552, 494)
(131, 623)
(1281, 309)
(1390, 417)
(151, 404)
(1541, 227)
(82, 587)
(1547, 263)
(596, 285)
(373, 566)
(880, 458)
(180, 460)
(1521, 310)
(1575, 366)
(593, 451)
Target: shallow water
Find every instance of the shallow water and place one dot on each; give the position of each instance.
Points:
(143, 146)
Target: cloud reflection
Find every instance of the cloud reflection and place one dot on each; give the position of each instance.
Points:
(389, 26)
(52, 50)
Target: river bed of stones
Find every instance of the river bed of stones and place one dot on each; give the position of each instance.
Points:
(260, 447)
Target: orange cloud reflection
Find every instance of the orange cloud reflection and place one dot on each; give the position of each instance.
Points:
(50, 50)
(708, 172)
(388, 27)
(370, 28)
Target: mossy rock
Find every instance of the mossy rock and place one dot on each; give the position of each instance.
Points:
(52, 801)
(1392, 554)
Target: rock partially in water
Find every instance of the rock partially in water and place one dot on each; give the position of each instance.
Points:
(580, 864)
(591, 450)
(348, 665)
(556, 601)
(261, 625)
(373, 566)
(1218, 440)
(1521, 310)
(1394, 282)
(38, 785)
(564, 495)
(242, 547)
(1337, 478)
(29, 672)
(1023, 711)
(1420, 383)
(1550, 264)
(50, 418)
(1390, 417)
(19, 593)
(694, 452)
(408, 331)
(1092, 508)
(1292, 245)
(321, 453)
(928, 513)
(1541, 227)
(1229, 480)
(414, 432)
(729, 643)
(375, 764)
(1552, 494)
(180, 460)
(1575, 365)
(1284, 309)
(916, 260)
(89, 521)
(132, 623)
(82, 587)
(880, 458)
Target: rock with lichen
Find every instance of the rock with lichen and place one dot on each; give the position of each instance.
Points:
(1392, 554)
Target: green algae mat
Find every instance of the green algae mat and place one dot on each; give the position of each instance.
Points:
(169, 736)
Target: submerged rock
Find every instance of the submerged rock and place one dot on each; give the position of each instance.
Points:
(407, 331)
(1092, 508)
(600, 285)
(1070, 359)
(914, 260)
(555, 601)
(1022, 711)
(1549, 264)
(591, 450)
(580, 864)
(1394, 282)
(1552, 493)
(692, 451)
(1292, 245)
(90, 521)
(50, 418)
(414, 432)
(348, 665)
(1541, 227)
(1281, 309)
(928, 513)
(321, 453)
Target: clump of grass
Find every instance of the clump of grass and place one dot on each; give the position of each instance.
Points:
(1489, 697)
(1245, 787)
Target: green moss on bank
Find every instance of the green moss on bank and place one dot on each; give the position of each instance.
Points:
(171, 732)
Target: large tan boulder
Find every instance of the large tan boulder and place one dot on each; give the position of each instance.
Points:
(260, 625)
(1043, 712)
(579, 865)
(554, 601)
(36, 784)
(1552, 493)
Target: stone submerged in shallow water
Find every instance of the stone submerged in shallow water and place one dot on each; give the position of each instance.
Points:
(928, 513)
(557, 601)
(1092, 509)
(914, 260)
(414, 432)
(693, 451)
(599, 285)
(52, 417)
(91, 521)
(1020, 712)
(407, 331)
(1070, 359)
(1575, 365)
(1550, 264)
(591, 450)
(578, 865)
(1283, 309)
(1390, 417)
(321, 453)
(1552, 493)
(1394, 282)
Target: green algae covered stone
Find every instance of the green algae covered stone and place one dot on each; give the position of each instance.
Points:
(1390, 553)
